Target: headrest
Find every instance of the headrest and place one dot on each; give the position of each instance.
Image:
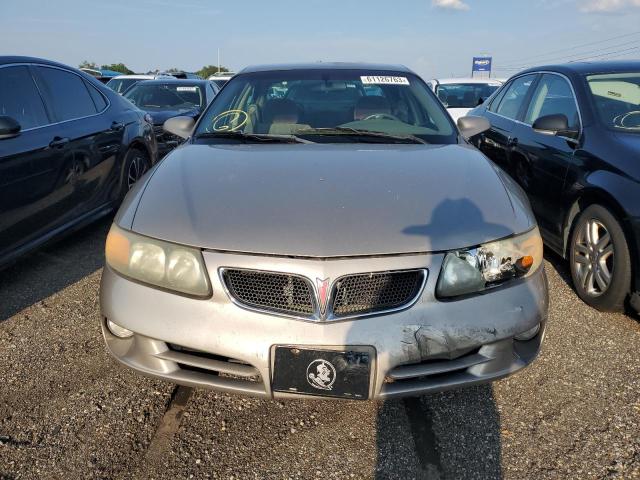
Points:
(367, 106)
(280, 110)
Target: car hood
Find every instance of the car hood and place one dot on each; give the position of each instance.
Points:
(161, 116)
(327, 200)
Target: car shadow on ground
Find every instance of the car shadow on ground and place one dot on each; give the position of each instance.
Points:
(559, 264)
(52, 268)
(455, 434)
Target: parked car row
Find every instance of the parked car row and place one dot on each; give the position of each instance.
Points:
(164, 98)
(221, 78)
(122, 83)
(331, 223)
(461, 95)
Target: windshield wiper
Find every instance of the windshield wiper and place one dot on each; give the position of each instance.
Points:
(253, 137)
(356, 132)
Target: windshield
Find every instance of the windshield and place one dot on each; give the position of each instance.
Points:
(328, 104)
(617, 99)
(166, 96)
(120, 85)
(464, 95)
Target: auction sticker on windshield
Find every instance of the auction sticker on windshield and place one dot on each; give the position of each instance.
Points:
(377, 80)
(187, 89)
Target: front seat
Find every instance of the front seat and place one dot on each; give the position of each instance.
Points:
(367, 106)
(281, 116)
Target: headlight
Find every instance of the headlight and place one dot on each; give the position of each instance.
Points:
(157, 263)
(470, 271)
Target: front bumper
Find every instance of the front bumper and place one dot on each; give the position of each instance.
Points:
(432, 346)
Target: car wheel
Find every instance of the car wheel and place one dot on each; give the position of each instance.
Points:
(599, 259)
(136, 163)
(137, 166)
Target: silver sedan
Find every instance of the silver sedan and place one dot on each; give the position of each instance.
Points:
(325, 231)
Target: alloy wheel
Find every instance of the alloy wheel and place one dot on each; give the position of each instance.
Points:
(136, 169)
(75, 170)
(593, 258)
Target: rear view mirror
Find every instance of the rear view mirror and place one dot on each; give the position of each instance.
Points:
(471, 125)
(9, 127)
(556, 124)
(180, 126)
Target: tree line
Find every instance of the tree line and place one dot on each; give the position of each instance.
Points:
(204, 72)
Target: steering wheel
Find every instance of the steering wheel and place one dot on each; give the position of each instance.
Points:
(382, 116)
(621, 120)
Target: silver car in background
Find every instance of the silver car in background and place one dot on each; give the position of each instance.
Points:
(325, 231)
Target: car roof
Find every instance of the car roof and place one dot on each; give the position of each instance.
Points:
(445, 81)
(7, 59)
(136, 77)
(176, 81)
(585, 68)
(325, 66)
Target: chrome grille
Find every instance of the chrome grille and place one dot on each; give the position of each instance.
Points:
(280, 292)
(375, 292)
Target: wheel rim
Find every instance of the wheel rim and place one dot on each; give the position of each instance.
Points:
(593, 258)
(74, 172)
(136, 170)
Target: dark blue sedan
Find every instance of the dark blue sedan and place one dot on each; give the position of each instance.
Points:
(163, 99)
(570, 135)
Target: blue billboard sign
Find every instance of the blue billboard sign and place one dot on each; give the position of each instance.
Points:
(481, 64)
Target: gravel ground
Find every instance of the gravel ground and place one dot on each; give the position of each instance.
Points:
(67, 410)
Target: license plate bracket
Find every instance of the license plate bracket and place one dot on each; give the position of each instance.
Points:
(327, 373)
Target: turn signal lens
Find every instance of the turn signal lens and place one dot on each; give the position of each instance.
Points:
(155, 262)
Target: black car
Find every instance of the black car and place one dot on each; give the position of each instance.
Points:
(570, 135)
(70, 149)
(166, 98)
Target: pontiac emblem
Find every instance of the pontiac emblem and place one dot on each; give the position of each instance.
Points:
(323, 293)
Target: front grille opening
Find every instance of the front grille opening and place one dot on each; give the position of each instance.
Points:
(210, 356)
(447, 368)
(374, 292)
(201, 354)
(280, 292)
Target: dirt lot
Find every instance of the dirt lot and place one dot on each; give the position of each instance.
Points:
(67, 410)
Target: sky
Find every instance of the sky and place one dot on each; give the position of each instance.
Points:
(435, 38)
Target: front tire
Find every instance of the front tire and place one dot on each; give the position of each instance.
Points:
(599, 259)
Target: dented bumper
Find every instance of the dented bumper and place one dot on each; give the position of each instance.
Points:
(431, 346)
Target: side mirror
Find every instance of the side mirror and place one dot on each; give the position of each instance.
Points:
(556, 124)
(9, 127)
(180, 126)
(470, 126)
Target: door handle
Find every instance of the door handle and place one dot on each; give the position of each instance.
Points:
(117, 126)
(58, 142)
